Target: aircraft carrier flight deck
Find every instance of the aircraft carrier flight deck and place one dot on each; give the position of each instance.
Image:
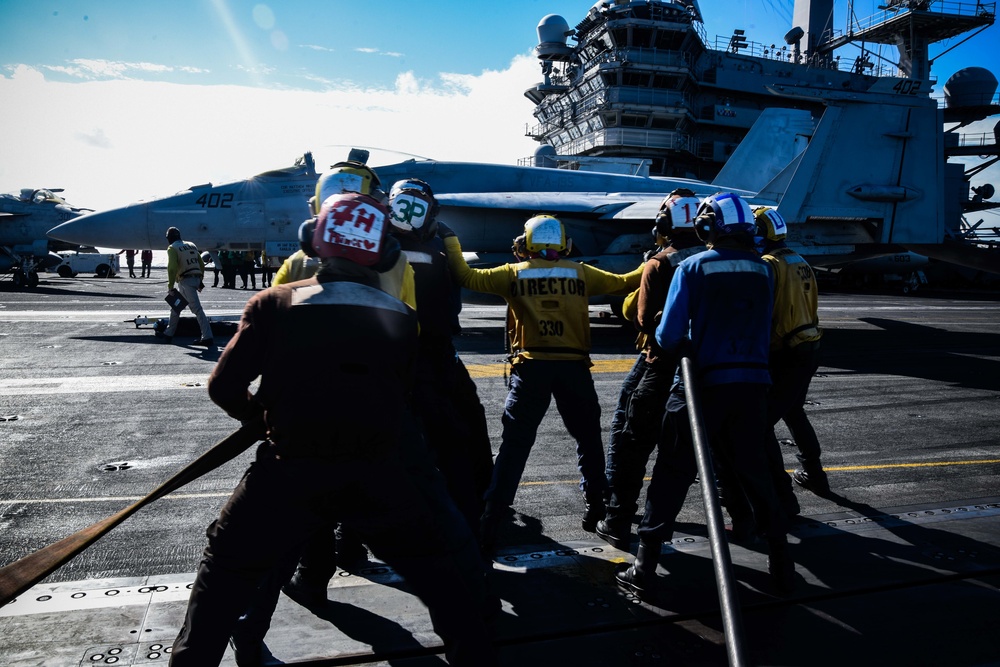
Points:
(900, 565)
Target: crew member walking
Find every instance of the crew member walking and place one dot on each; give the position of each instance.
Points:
(185, 269)
(795, 338)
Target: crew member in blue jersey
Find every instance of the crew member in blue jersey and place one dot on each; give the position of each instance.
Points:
(549, 335)
(718, 311)
(333, 450)
(795, 337)
(638, 420)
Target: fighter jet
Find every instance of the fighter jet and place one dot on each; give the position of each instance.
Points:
(25, 217)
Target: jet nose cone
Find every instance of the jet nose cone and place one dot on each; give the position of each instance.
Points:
(125, 227)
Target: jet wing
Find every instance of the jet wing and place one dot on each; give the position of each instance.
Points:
(597, 205)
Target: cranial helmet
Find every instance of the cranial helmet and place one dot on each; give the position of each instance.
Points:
(413, 208)
(545, 236)
(723, 214)
(770, 224)
(677, 211)
(349, 225)
(173, 234)
(343, 177)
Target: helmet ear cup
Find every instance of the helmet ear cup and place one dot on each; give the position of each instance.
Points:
(306, 231)
(662, 226)
(520, 248)
(704, 225)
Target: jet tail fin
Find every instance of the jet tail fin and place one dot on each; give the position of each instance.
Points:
(777, 138)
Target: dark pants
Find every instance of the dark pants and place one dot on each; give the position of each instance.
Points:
(275, 509)
(316, 559)
(640, 423)
(791, 372)
(533, 384)
(454, 423)
(735, 418)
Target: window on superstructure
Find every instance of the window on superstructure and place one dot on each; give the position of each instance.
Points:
(666, 82)
(634, 120)
(640, 79)
(609, 118)
(663, 123)
(642, 37)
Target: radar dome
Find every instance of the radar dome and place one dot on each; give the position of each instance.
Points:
(968, 87)
(553, 28)
(552, 33)
(544, 156)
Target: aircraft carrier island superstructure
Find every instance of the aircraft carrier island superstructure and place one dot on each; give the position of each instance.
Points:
(643, 90)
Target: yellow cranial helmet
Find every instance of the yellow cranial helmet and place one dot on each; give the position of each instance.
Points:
(544, 233)
(344, 177)
(770, 224)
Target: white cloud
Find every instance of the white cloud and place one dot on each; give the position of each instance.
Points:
(112, 142)
(379, 52)
(91, 69)
(316, 47)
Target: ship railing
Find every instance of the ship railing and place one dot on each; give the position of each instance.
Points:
(983, 139)
(896, 8)
(645, 96)
(784, 54)
(632, 137)
(644, 56)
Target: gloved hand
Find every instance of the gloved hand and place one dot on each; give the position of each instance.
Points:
(201, 286)
(649, 254)
(444, 231)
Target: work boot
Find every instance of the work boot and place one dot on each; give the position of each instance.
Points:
(780, 566)
(308, 595)
(207, 342)
(351, 553)
(638, 578)
(594, 512)
(811, 476)
(249, 651)
(615, 533)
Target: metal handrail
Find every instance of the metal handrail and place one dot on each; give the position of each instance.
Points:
(732, 620)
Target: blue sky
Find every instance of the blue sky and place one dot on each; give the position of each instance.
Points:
(117, 100)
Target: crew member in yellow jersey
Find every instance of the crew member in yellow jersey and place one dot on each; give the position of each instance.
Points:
(549, 334)
(795, 336)
(185, 270)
